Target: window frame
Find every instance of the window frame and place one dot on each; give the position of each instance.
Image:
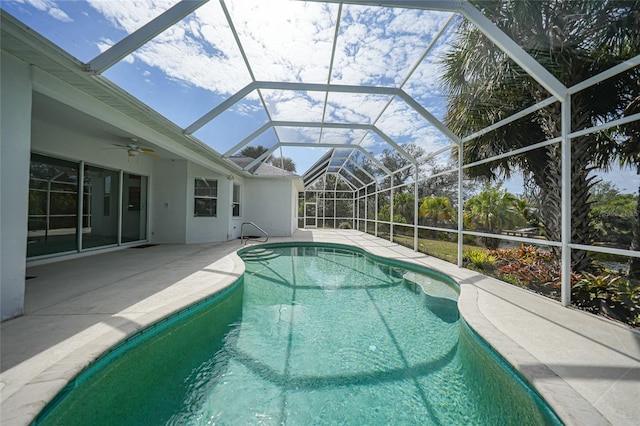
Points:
(210, 201)
(236, 204)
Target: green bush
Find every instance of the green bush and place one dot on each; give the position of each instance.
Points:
(609, 294)
(481, 259)
(344, 225)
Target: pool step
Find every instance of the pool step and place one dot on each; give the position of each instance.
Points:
(431, 286)
(260, 254)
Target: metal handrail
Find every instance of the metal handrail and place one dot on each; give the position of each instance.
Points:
(242, 239)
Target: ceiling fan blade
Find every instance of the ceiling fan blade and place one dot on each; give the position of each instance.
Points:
(150, 153)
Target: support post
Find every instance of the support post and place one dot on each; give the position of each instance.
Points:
(415, 211)
(391, 212)
(565, 282)
(120, 204)
(376, 218)
(460, 203)
(80, 221)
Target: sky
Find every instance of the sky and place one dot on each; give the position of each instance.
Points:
(196, 64)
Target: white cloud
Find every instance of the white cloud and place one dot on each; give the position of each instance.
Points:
(292, 41)
(49, 6)
(286, 41)
(131, 15)
(355, 107)
(404, 125)
(378, 46)
(298, 134)
(342, 136)
(294, 105)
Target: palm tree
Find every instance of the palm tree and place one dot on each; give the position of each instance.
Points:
(284, 163)
(629, 151)
(436, 211)
(253, 151)
(491, 211)
(404, 205)
(574, 40)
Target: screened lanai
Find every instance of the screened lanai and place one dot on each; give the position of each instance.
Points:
(486, 133)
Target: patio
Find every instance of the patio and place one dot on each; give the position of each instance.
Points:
(587, 368)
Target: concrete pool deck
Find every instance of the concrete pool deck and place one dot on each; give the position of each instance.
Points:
(586, 367)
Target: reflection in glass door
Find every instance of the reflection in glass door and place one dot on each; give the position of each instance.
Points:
(134, 208)
(100, 207)
(53, 206)
(310, 215)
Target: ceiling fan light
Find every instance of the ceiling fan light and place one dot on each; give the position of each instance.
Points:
(132, 152)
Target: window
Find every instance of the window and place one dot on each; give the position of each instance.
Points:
(205, 198)
(235, 205)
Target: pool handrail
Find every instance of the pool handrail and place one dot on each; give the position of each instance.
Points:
(242, 238)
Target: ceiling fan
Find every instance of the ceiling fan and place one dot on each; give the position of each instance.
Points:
(133, 149)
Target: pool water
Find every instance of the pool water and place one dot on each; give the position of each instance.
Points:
(312, 336)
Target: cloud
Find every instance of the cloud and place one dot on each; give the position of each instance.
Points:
(294, 105)
(404, 125)
(298, 134)
(342, 136)
(292, 42)
(378, 46)
(286, 41)
(49, 7)
(130, 15)
(355, 107)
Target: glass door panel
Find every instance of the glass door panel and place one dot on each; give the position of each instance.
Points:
(53, 206)
(100, 207)
(134, 208)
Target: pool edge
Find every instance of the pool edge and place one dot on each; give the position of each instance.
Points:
(570, 406)
(565, 400)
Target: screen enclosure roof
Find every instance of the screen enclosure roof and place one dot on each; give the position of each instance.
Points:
(329, 84)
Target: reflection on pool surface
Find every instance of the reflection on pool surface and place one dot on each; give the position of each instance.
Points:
(314, 335)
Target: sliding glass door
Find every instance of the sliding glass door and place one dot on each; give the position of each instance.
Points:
(110, 210)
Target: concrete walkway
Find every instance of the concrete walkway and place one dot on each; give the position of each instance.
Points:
(586, 367)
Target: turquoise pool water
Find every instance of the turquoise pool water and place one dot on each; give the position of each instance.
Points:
(310, 336)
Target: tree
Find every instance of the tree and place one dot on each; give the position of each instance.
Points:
(574, 40)
(446, 185)
(404, 205)
(253, 151)
(284, 163)
(491, 211)
(629, 153)
(613, 214)
(385, 213)
(436, 211)
(394, 161)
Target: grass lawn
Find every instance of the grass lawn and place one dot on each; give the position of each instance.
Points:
(445, 250)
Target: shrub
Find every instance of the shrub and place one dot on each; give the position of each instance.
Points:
(610, 294)
(344, 225)
(481, 259)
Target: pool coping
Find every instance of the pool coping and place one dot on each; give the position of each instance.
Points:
(26, 397)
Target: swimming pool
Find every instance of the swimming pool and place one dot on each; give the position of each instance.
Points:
(310, 335)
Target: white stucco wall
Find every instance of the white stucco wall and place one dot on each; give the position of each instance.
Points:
(269, 203)
(169, 207)
(208, 229)
(15, 135)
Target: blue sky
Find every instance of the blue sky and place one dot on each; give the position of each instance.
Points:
(196, 64)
